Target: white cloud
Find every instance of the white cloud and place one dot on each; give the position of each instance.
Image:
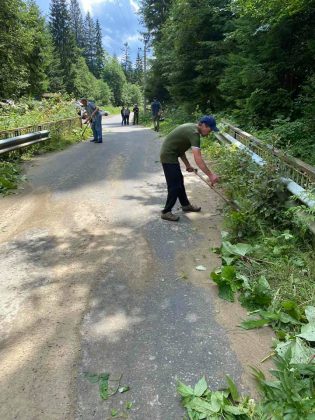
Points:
(87, 5)
(107, 40)
(134, 6)
(132, 38)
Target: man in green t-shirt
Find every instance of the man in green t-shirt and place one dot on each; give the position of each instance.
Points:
(176, 143)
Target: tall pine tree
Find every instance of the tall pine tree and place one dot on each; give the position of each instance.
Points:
(76, 22)
(23, 49)
(90, 43)
(99, 51)
(126, 62)
(63, 40)
(138, 72)
(40, 53)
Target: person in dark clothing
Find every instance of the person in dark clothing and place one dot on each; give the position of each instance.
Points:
(176, 143)
(135, 114)
(156, 110)
(127, 115)
(122, 113)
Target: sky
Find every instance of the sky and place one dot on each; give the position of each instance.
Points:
(118, 19)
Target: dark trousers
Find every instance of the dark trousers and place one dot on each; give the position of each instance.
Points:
(135, 118)
(175, 186)
(156, 122)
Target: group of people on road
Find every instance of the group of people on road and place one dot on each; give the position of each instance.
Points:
(125, 115)
(174, 147)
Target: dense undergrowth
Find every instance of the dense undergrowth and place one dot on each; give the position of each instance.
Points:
(268, 265)
(29, 111)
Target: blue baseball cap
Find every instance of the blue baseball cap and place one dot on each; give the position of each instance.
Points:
(209, 120)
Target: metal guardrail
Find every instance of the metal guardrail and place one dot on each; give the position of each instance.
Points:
(289, 167)
(67, 123)
(298, 176)
(18, 142)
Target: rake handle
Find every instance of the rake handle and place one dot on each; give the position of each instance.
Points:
(211, 186)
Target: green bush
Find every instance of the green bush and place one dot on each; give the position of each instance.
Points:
(29, 111)
(297, 138)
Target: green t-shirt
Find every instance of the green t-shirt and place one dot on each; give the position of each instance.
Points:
(178, 141)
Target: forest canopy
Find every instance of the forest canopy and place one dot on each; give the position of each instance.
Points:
(252, 61)
(61, 53)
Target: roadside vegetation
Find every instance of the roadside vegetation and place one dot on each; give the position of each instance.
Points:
(60, 56)
(268, 265)
(31, 112)
(28, 111)
(250, 61)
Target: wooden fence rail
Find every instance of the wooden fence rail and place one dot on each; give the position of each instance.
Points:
(68, 123)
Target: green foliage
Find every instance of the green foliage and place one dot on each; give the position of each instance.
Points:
(103, 382)
(37, 56)
(225, 278)
(276, 318)
(203, 403)
(256, 190)
(138, 71)
(76, 22)
(93, 51)
(188, 52)
(23, 49)
(251, 60)
(9, 176)
(256, 293)
(31, 112)
(308, 330)
(298, 351)
(63, 39)
(280, 267)
(131, 94)
(154, 14)
(269, 10)
(85, 84)
(291, 395)
(108, 390)
(296, 138)
(114, 76)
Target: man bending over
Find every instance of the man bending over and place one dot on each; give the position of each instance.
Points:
(176, 143)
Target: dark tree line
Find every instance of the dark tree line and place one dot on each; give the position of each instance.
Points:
(63, 54)
(252, 60)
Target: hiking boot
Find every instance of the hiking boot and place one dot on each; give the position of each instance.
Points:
(191, 208)
(169, 216)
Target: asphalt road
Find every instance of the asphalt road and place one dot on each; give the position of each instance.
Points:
(92, 280)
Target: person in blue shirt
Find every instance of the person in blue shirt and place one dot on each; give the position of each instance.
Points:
(156, 113)
(95, 118)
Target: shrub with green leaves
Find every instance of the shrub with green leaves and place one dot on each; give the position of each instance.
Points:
(292, 395)
(256, 190)
(31, 112)
(9, 176)
(203, 403)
